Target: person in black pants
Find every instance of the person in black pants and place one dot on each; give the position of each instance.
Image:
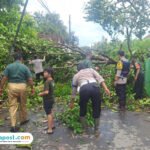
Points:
(122, 70)
(138, 79)
(121, 93)
(87, 80)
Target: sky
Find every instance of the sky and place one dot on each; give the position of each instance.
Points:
(87, 32)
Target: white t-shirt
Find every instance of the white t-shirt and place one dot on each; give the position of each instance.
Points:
(37, 65)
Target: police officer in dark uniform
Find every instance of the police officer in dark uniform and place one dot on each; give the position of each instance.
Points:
(138, 79)
(122, 70)
(87, 80)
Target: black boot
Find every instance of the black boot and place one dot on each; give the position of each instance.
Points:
(96, 127)
(84, 124)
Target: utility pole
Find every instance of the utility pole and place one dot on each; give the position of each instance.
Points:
(18, 28)
(70, 36)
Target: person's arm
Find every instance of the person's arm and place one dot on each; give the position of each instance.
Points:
(46, 89)
(107, 91)
(119, 68)
(118, 73)
(31, 84)
(42, 60)
(101, 81)
(4, 79)
(138, 67)
(29, 79)
(74, 87)
(44, 93)
(74, 91)
(137, 74)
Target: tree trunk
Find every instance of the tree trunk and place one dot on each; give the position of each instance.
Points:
(129, 41)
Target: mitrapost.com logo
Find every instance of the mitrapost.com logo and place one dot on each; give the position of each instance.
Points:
(16, 138)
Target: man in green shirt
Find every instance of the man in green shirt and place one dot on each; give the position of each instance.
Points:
(17, 75)
(87, 61)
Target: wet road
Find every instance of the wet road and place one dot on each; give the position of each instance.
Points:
(129, 131)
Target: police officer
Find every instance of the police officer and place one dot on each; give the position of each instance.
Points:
(122, 70)
(88, 80)
(138, 79)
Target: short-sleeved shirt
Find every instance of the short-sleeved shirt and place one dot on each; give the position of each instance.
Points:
(38, 67)
(86, 75)
(49, 86)
(17, 73)
(121, 80)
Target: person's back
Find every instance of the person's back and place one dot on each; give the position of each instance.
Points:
(87, 75)
(126, 67)
(17, 73)
(38, 67)
(122, 70)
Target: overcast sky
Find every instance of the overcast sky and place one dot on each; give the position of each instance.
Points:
(88, 32)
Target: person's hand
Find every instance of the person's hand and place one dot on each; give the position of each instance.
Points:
(41, 94)
(135, 78)
(71, 105)
(107, 91)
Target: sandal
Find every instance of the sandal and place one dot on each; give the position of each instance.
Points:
(49, 132)
(46, 128)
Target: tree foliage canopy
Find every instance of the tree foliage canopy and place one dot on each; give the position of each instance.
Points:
(115, 16)
(125, 17)
(9, 4)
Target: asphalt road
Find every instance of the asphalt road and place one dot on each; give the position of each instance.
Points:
(119, 131)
